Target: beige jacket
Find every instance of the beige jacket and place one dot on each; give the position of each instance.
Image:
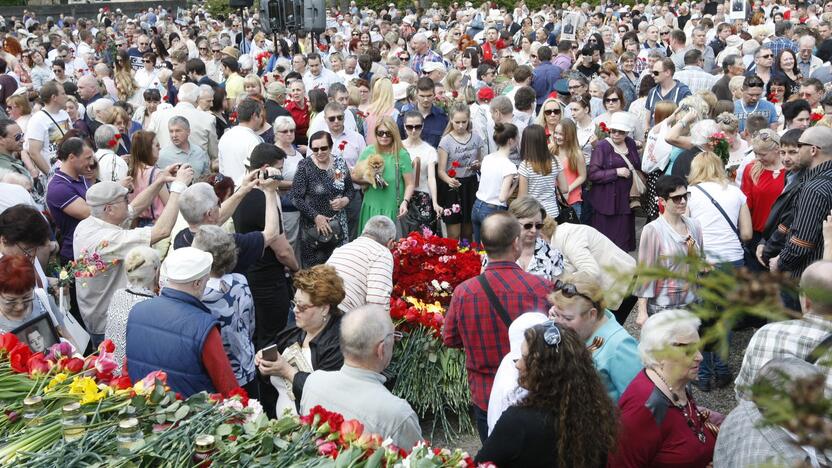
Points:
(585, 249)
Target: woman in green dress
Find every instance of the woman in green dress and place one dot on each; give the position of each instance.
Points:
(392, 200)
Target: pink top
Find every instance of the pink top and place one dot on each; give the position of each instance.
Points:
(142, 180)
(575, 195)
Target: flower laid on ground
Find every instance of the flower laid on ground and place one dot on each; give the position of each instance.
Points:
(170, 425)
(410, 312)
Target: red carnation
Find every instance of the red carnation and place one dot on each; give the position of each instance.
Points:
(342, 145)
(604, 127)
(816, 117)
(452, 173)
(107, 346)
(240, 392)
(19, 357)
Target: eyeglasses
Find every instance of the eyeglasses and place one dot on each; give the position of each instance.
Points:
(570, 290)
(397, 336)
(663, 33)
(29, 253)
(147, 61)
(413, 127)
(768, 56)
(18, 137)
(551, 333)
(17, 303)
(656, 73)
(617, 131)
(319, 149)
(290, 130)
(678, 198)
(614, 99)
(529, 226)
(216, 51)
(336, 118)
(203, 48)
(571, 87)
(551, 111)
(384, 134)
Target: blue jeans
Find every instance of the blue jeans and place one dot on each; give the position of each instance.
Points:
(578, 206)
(712, 366)
(481, 211)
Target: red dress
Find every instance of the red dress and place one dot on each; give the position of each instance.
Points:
(761, 196)
(655, 433)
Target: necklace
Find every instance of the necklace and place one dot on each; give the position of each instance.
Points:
(688, 409)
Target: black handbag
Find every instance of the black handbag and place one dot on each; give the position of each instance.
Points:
(566, 214)
(312, 237)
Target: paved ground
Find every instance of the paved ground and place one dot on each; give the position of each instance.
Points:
(721, 400)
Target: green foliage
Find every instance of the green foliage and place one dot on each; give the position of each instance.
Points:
(221, 7)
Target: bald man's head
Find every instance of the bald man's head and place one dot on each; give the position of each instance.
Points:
(363, 330)
(88, 87)
(499, 234)
(816, 288)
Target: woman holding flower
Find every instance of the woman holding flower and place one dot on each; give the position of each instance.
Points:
(460, 153)
(394, 199)
(321, 189)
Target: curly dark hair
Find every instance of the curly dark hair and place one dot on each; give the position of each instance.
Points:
(563, 380)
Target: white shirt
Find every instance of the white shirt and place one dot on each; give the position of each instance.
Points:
(505, 392)
(348, 145)
(318, 123)
(322, 81)
(494, 169)
(13, 194)
(719, 240)
(42, 128)
(111, 167)
(235, 147)
(427, 158)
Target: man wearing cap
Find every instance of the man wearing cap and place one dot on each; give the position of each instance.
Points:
(434, 70)
(275, 97)
(102, 232)
(805, 244)
(176, 333)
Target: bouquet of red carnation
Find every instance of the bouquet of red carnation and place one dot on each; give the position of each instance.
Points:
(815, 118)
(429, 267)
(262, 59)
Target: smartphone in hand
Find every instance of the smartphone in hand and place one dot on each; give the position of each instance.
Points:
(270, 353)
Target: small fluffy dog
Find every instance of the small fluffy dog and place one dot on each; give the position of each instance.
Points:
(371, 169)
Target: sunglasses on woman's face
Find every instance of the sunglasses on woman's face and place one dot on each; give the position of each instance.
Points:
(384, 134)
(678, 198)
(551, 111)
(319, 149)
(529, 226)
(413, 127)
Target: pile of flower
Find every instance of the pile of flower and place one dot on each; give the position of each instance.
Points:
(431, 377)
(119, 423)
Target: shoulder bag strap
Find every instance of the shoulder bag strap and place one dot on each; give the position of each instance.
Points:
(814, 356)
(724, 214)
(53, 121)
(492, 299)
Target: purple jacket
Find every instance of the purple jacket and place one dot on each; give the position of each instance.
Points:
(610, 194)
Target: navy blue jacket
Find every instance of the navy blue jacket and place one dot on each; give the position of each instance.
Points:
(168, 333)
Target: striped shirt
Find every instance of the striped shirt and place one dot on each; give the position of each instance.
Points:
(367, 270)
(804, 246)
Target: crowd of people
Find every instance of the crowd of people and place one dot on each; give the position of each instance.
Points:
(223, 202)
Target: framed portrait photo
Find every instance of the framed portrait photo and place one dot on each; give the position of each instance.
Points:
(39, 333)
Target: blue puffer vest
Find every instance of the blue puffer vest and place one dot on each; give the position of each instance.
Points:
(167, 333)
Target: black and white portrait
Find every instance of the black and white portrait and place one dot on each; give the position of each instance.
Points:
(38, 333)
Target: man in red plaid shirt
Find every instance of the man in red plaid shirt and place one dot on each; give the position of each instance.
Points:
(479, 327)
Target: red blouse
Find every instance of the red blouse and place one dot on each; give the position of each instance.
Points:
(655, 433)
(761, 196)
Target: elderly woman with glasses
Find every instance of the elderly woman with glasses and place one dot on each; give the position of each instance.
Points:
(20, 298)
(536, 256)
(24, 231)
(321, 190)
(314, 343)
(142, 266)
(555, 369)
(578, 303)
(665, 242)
(661, 424)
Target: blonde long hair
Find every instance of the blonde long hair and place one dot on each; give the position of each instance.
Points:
(381, 101)
(707, 167)
(574, 155)
(387, 123)
(764, 141)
